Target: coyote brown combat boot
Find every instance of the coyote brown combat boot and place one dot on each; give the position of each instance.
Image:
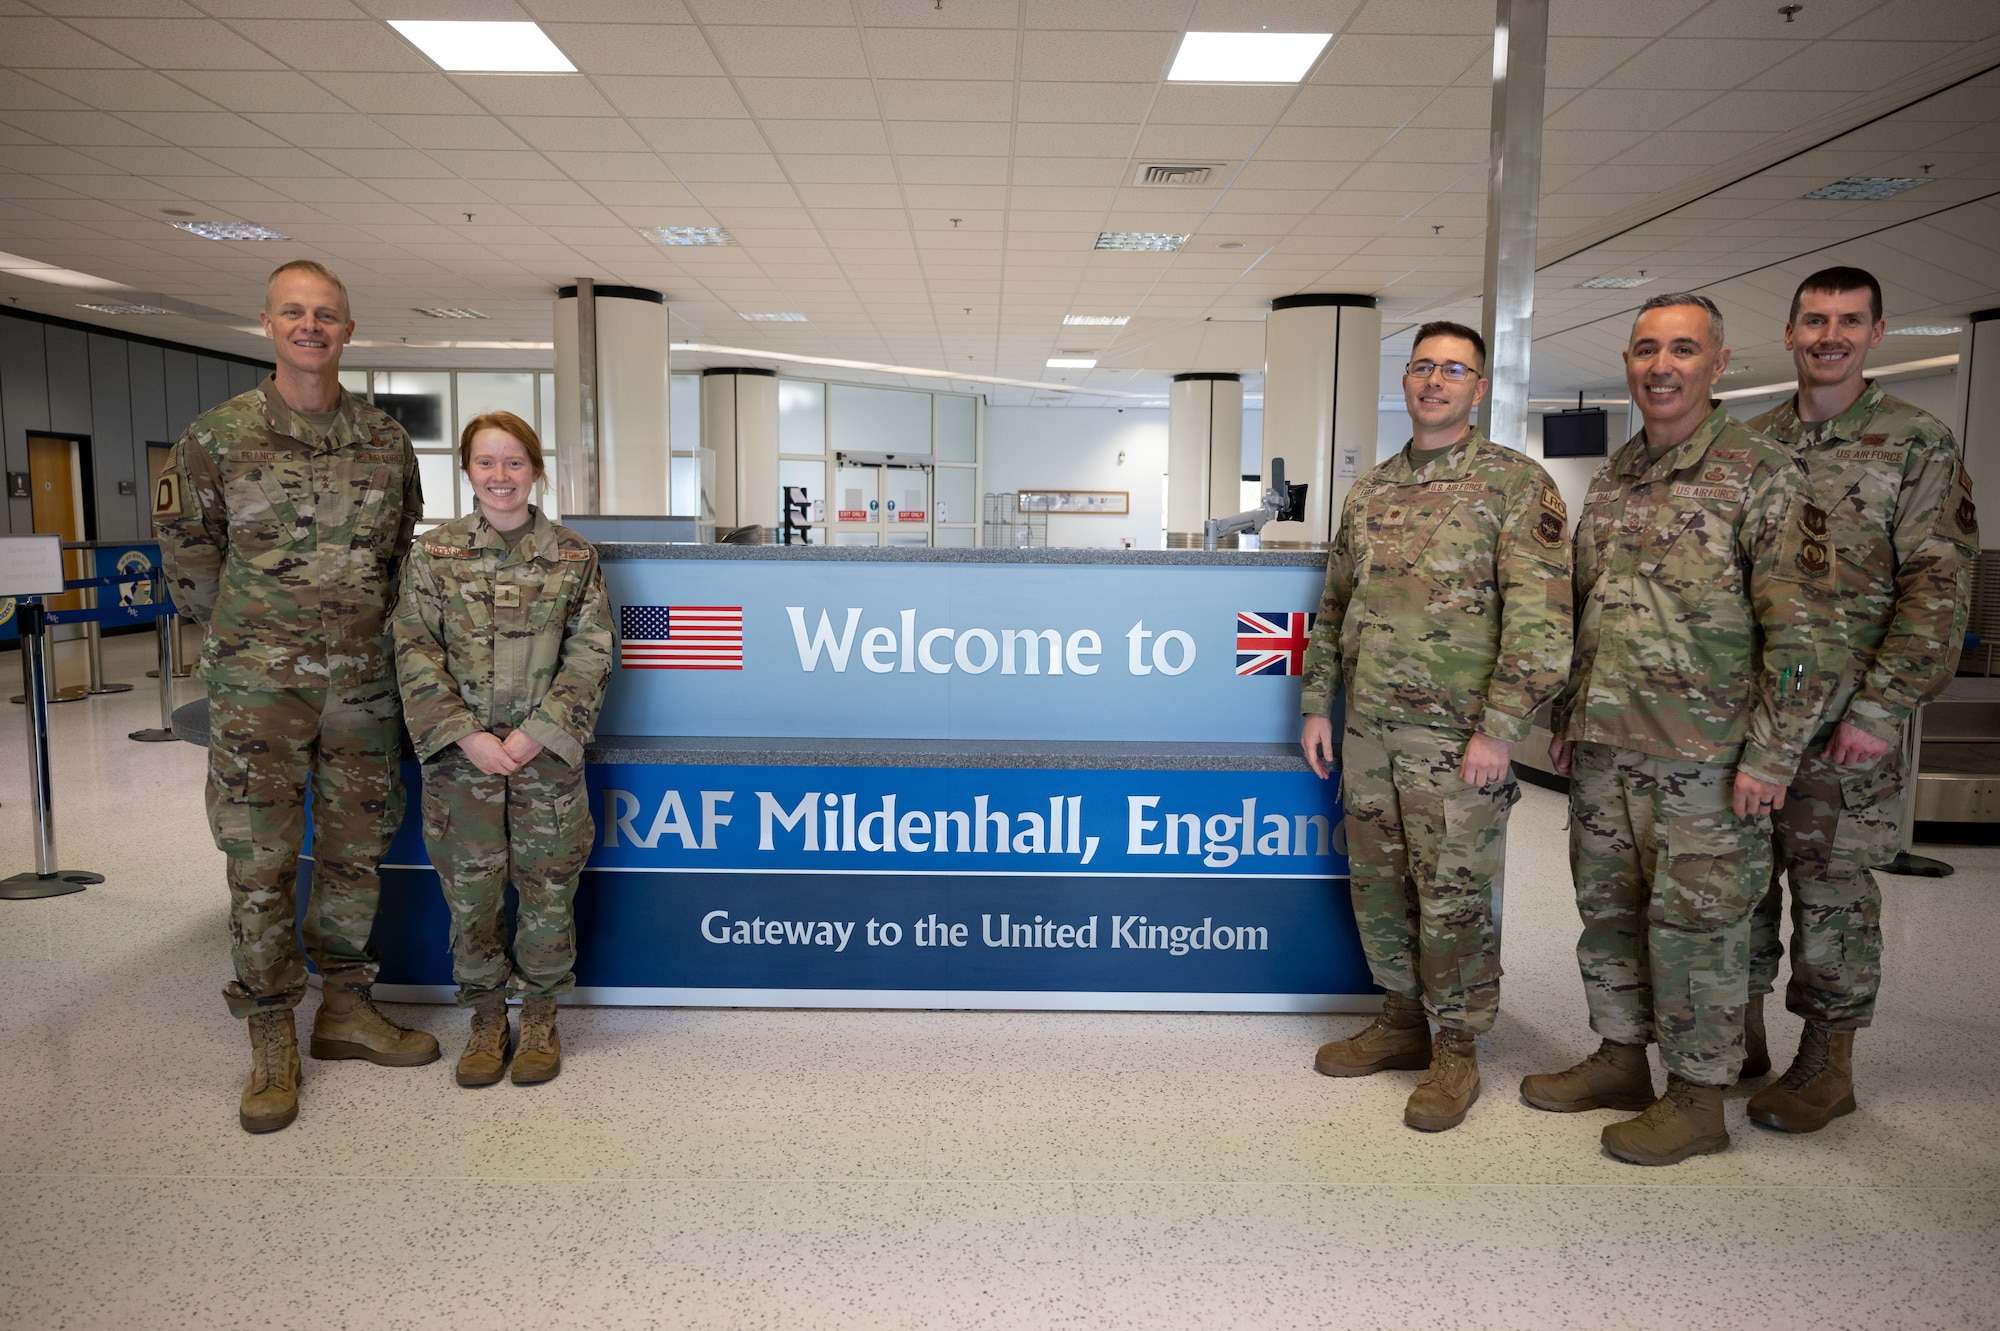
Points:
(1449, 1088)
(349, 1025)
(1399, 1038)
(1617, 1076)
(271, 1095)
(539, 1055)
(1817, 1089)
(1756, 1049)
(1686, 1121)
(484, 1060)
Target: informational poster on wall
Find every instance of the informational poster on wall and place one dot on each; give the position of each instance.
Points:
(920, 887)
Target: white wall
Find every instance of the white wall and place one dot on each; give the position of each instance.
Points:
(1077, 448)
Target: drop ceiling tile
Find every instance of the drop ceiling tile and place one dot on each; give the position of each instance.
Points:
(1467, 110)
(576, 134)
(1319, 143)
(918, 170)
(628, 167)
(721, 196)
(534, 94)
(144, 161)
(1292, 175)
(1772, 111)
(483, 165)
(1091, 171)
(820, 197)
(939, 99)
(672, 98)
(326, 189)
(42, 43)
(956, 197)
(414, 94)
(362, 45)
(1644, 109)
(1092, 57)
(920, 53)
(826, 136)
(840, 168)
(952, 139)
(701, 136)
(631, 196)
(213, 189)
(730, 168)
(329, 129)
(1075, 140)
(206, 129)
(177, 43)
(519, 194)
(78, 129)
(1435, 61)
(1355, 107)
(1580, 62)
(658, 48)
(447, 131)
(800, 98)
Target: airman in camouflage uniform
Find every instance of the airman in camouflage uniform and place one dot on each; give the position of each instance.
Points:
(1704, 580)
(1905, 536)
(496, 638)
(284, 536)
(1446, 620)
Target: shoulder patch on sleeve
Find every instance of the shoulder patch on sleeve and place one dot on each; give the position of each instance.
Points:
(1549, 529)
(167, 495)
(1553, 502)
(1812, 521)
(1967, 515)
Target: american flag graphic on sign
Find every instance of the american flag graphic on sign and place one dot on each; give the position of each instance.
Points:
(680, 637)
(1272, 642)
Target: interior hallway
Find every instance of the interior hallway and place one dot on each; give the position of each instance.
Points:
(925, 1169)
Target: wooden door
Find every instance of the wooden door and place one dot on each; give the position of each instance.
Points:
(57, 495)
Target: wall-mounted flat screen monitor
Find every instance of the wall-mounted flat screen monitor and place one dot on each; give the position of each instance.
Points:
(422, 414)
(1575, 434)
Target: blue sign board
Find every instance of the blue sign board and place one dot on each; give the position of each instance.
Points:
(947, 650)
(906, 887)
(117, 604)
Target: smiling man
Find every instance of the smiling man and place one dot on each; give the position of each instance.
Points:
(1446, 621)
(1704, 576)
(1899, 508)
(284, 535)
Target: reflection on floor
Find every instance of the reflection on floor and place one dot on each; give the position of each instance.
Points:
(801, 1169)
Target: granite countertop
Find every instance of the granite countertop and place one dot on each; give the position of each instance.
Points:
(916, 554)
(191, 724)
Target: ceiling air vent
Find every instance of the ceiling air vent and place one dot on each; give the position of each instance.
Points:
(1162, 175)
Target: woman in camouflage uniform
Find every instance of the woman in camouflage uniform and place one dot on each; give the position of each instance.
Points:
(503, 645)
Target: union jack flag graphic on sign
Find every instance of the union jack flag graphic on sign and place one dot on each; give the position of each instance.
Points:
(680, 637)
(1272, 642)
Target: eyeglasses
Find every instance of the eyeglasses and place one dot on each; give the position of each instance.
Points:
(1451, 369)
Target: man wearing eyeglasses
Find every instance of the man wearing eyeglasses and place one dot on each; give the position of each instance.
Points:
(1446, 620)
(1905, 537)
(1705, 574)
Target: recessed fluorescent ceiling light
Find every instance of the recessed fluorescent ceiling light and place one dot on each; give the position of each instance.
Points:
(1139, 240)
(47, 272)
(687, 235)
(1154, 402)
(120, 309)
(1096, 320)
(1867, 187)
(1613, 283)
(448, 312)
(1071, 363)
(230, 230)
(1246, 57)
(775, 317)
(1927, 330)
(485, 48)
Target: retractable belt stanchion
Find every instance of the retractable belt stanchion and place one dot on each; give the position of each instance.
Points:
(164, 625)
(46, 880)
(93, 647)
(1913, 866)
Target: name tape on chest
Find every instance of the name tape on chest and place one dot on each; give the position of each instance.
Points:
(259, 455)
(1456, 487)
(1733, 493)
(1856, 453)
(573, 556)
(436, 551)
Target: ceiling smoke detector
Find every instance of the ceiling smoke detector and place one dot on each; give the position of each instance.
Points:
(1160, 175)
(1867, 187)
(448, 312)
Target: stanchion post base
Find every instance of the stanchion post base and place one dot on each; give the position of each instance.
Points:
(32, 886)
(111, 688)
(152, 736)
(1917, 866)
(67, 693)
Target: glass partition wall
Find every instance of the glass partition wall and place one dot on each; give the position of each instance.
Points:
(832, 439)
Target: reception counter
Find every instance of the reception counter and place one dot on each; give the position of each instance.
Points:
(946, 778)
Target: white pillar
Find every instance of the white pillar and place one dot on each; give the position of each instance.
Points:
(625, 391)
(1322, 364)
(739, 424)
(1204, 450)
(1979, 416)
(1513, 212)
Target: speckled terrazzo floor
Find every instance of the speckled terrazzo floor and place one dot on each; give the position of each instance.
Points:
(813, 1170)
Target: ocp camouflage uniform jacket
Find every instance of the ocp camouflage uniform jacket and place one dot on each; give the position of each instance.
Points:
(488, 637)
(1904, 536)
(1448, 599)
(1705, 602)
(288, 546)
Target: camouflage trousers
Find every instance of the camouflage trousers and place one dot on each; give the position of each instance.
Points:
(532, 829)
(1838, 823)
(266, 749)
(1425, 854)
(1666, 877)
